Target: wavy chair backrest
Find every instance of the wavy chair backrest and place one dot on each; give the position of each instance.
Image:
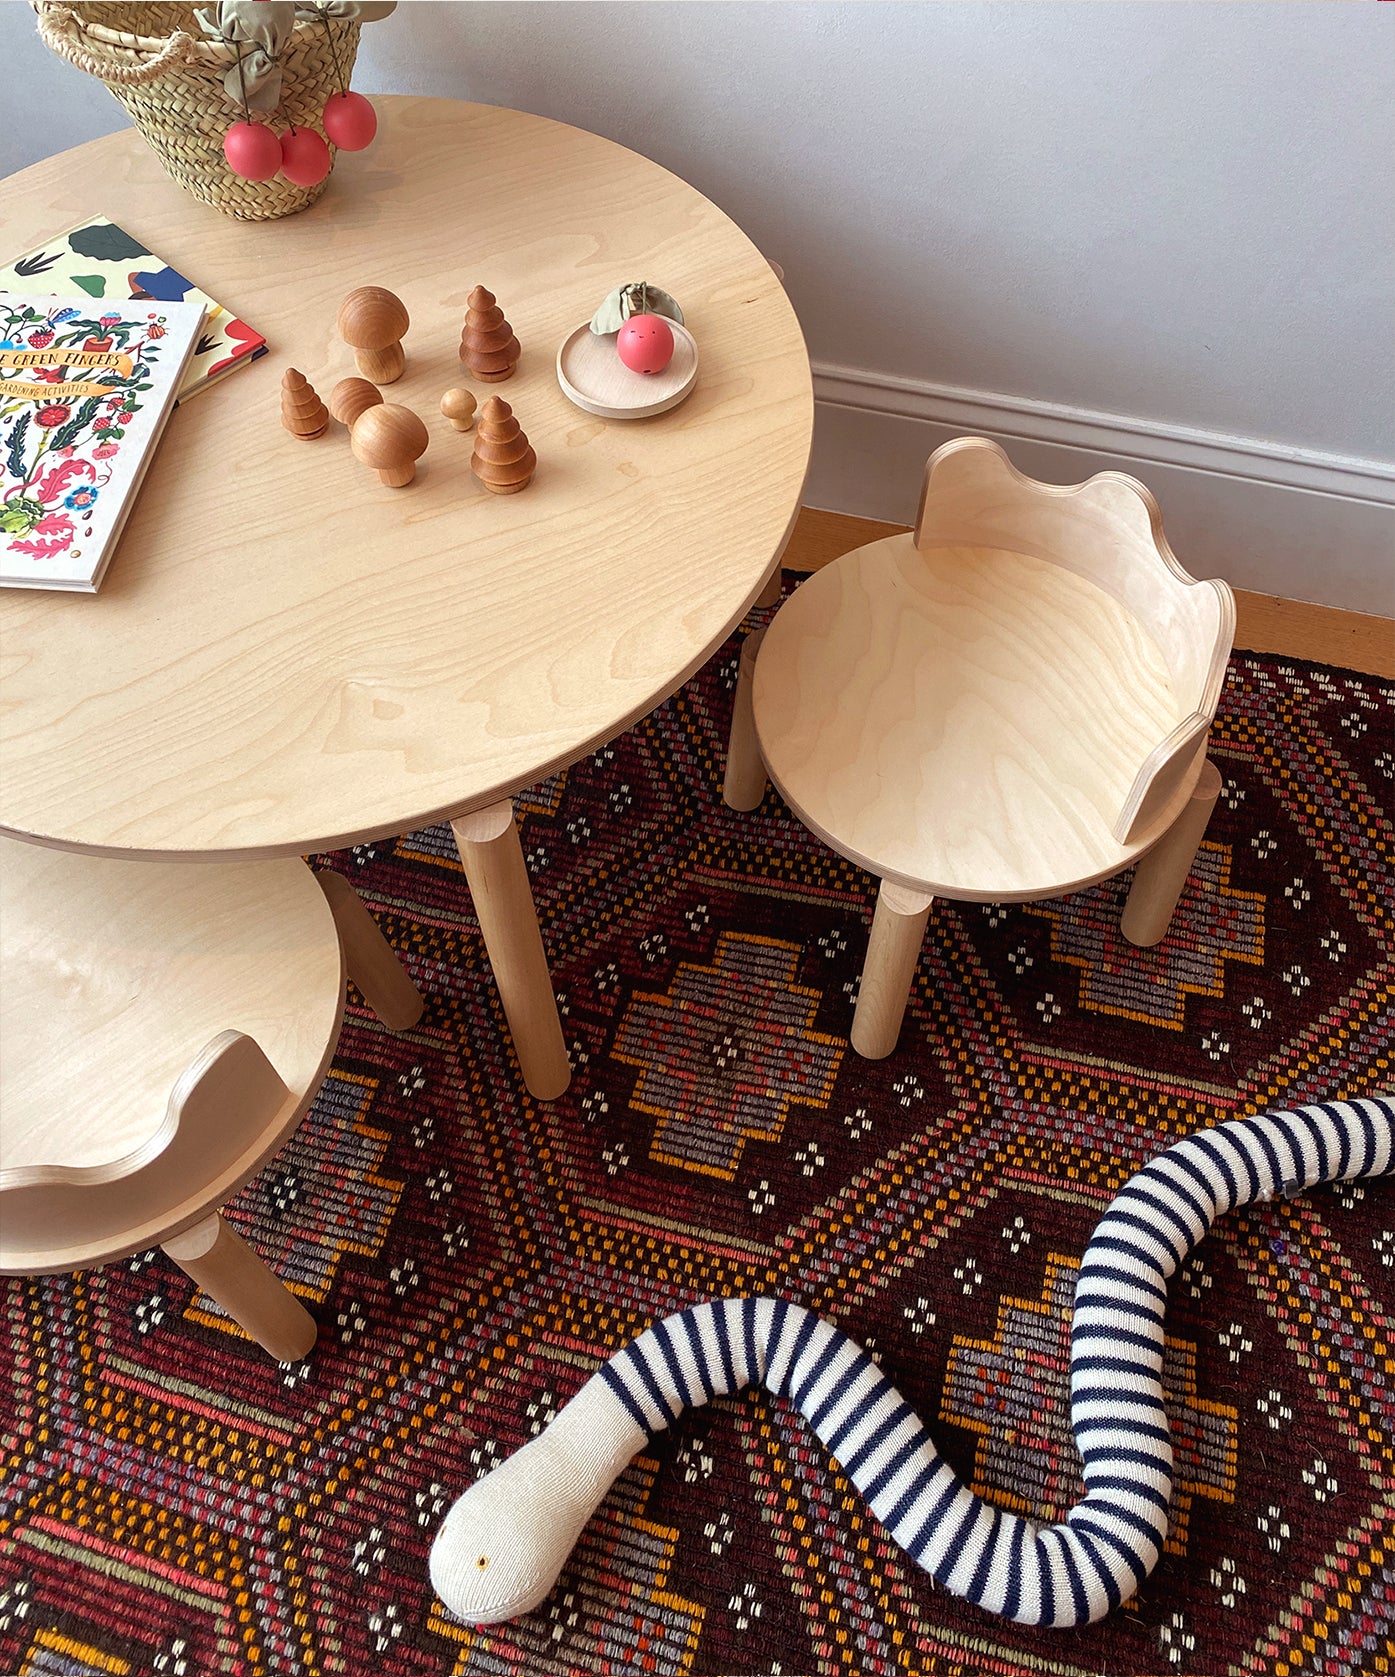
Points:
(1109, 531)
(221, 1112)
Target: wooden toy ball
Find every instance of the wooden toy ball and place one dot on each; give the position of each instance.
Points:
(372, 320)
(252, 151)
(459, 408)
(349, 120)
(645, 343)
(390, 439)
(305, 158)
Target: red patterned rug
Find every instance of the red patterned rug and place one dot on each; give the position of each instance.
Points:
(175, 1503)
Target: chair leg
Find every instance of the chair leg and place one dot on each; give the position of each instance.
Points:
(372, 962)
(898, 930)
(498, 878)
(744, 786)
(1162, 873)
(228, 1270)
(770, 594)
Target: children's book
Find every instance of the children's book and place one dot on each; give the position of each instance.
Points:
(85, 390)
(102, 260)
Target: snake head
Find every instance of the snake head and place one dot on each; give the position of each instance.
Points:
(504, 1543)
(499, 1550)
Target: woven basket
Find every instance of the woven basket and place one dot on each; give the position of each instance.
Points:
(169, 76)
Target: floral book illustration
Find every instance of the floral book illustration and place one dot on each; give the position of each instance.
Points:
(85, 390)
(102, 260)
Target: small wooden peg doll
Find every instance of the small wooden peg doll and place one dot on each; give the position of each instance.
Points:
(487, 344)
(390, 439)
(350, 397)
(459, 408)
(373, 322)
(502, 460)
(302, 412)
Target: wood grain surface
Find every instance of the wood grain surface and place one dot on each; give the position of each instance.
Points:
(1263, 622)
(118, 975)
(1047, 694)
(285, 655)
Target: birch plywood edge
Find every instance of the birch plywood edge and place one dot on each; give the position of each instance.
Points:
(1109, 530)
(222, 1110)
(969, 709)
(230, 1084)
(1263, 622)
(287, 657)
(164, 1028)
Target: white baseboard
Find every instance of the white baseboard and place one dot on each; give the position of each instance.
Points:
(1267, 517)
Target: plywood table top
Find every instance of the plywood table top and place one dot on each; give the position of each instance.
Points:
(286, 655)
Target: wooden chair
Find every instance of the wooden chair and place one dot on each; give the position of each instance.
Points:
(163, 1029)
(1010, 702)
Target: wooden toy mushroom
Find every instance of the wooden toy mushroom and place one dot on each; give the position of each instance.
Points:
(373, 322)
(390, 439)
(503, 460)
(351, 397)
(459, 408)
(302, 412)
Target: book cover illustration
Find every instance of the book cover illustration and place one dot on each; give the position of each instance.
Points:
(84, 394)
(103, 260)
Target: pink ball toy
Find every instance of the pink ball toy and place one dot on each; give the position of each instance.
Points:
(305, 158)
(252, 151)
(349, 120)
(645, 343)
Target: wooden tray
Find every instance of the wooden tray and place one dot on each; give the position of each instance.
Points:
(594, 377)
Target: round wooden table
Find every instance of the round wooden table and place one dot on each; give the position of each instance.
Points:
(285, 655)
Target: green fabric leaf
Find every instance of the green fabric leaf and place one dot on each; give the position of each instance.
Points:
(636, 297)
(364, 11)
(259, 29)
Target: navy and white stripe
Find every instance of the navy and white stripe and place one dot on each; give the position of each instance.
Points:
(1080, 1569)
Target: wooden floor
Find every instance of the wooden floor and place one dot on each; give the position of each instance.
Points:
(1264, 622)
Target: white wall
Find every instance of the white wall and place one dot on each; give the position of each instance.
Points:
(1161, 236)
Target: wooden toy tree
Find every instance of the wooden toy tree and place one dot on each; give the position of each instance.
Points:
(302, 412)
(503, 459)
(487, 344)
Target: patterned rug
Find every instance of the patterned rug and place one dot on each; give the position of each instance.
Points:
(175, 1503)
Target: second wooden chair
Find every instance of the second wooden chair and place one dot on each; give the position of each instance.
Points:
(1009, 703)
(165, 1028)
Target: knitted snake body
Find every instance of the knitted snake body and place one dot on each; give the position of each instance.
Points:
(504, 1542)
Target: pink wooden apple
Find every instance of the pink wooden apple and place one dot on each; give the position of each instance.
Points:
(645, 343)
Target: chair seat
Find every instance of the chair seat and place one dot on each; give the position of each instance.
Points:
(117, 976)
(964, 721)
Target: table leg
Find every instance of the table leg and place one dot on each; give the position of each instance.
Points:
(498, 878)
(372, 962)
(744, 785)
